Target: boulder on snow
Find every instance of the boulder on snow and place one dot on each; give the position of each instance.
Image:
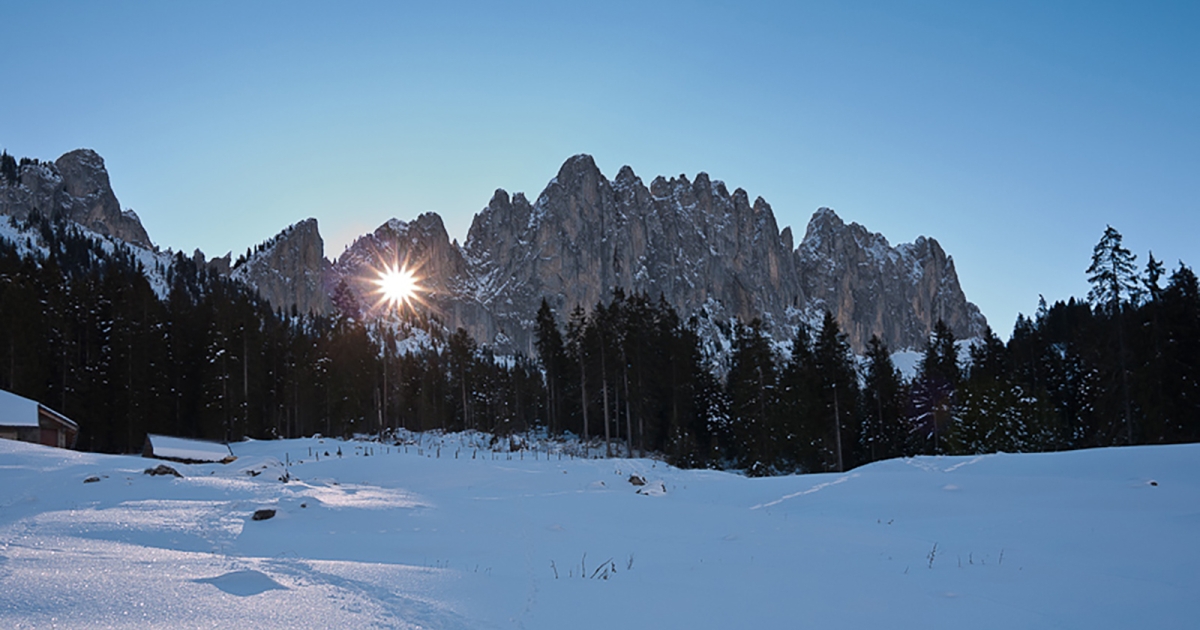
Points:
(162, 469)
(263, 514)
(656, 489)
(92, 479)
(637, 480)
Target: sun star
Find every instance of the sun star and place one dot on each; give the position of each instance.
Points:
(397, 286)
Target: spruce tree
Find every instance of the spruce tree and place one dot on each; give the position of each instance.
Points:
(751, 386)
(552, 355)
(1112, 273)
(883, 434)
(1181, 349)
(934, 387)
(577, 342)
(801, 405)
(839, 390)
(1113, 277)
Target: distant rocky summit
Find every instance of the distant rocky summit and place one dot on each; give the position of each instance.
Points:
(75, 185)
(290, 270)
(872, 288)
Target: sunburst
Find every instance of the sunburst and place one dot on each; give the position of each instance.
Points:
(398, 286)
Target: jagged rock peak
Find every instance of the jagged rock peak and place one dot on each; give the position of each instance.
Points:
(687, 240)
(626, 177)
(76, 185)
(578, 166)
(427, 223)
(422, 245)
(825, 229)
(872, 288)
(289, 269)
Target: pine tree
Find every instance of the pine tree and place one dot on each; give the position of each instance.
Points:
(1112, 273)
(1181, 351)
(883, 435)
(462, 364)
(803, 420)
(933, 390)
(1113, 277)
(1154, 273)
(577, 333)
(839, 387)
(552, 354)
(8, 169)
(751, 386)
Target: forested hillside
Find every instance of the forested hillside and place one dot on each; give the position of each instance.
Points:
(83, 330)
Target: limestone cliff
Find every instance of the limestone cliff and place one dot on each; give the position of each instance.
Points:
(693, 242)
(75, 185)
(289, 270)
(872, 288)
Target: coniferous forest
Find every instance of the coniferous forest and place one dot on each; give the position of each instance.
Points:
(83, 331)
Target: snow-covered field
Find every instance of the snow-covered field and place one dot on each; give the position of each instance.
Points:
(1089, 539)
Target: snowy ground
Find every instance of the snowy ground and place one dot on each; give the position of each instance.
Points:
(1090, 539)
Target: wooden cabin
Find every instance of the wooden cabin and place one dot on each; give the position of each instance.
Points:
(186, 450)
(30, 421)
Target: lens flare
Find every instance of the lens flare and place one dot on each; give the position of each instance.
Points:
(397, 286)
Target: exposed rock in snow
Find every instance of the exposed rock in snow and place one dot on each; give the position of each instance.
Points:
(162, 469)
(76, 185)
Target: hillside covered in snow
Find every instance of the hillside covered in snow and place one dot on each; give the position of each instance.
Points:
(443, 533)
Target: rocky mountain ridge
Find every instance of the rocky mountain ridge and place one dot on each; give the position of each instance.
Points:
(289, 270)
(710, 252)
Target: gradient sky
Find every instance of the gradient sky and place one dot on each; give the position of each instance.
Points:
(1012, 132)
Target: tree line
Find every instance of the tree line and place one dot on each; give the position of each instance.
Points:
(83, 330)
(1119, 368)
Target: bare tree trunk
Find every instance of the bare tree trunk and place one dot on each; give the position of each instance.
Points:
(225, 391)
(245, 377)
(628, 417)
(384, 420)
(1124, 373)
(879, 428)
(837, 429)
(604, 394)
(462, 382)
(583, 397)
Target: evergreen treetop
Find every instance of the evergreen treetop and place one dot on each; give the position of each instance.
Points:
(1112, 273)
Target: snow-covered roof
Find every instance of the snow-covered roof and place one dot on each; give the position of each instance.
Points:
(16, 411)
(184, 449)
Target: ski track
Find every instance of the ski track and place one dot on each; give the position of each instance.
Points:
(817, 488)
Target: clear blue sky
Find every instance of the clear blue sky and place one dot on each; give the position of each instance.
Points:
(1012, 132)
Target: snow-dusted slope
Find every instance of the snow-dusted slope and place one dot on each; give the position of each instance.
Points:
(441, 535)
(154, 263)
